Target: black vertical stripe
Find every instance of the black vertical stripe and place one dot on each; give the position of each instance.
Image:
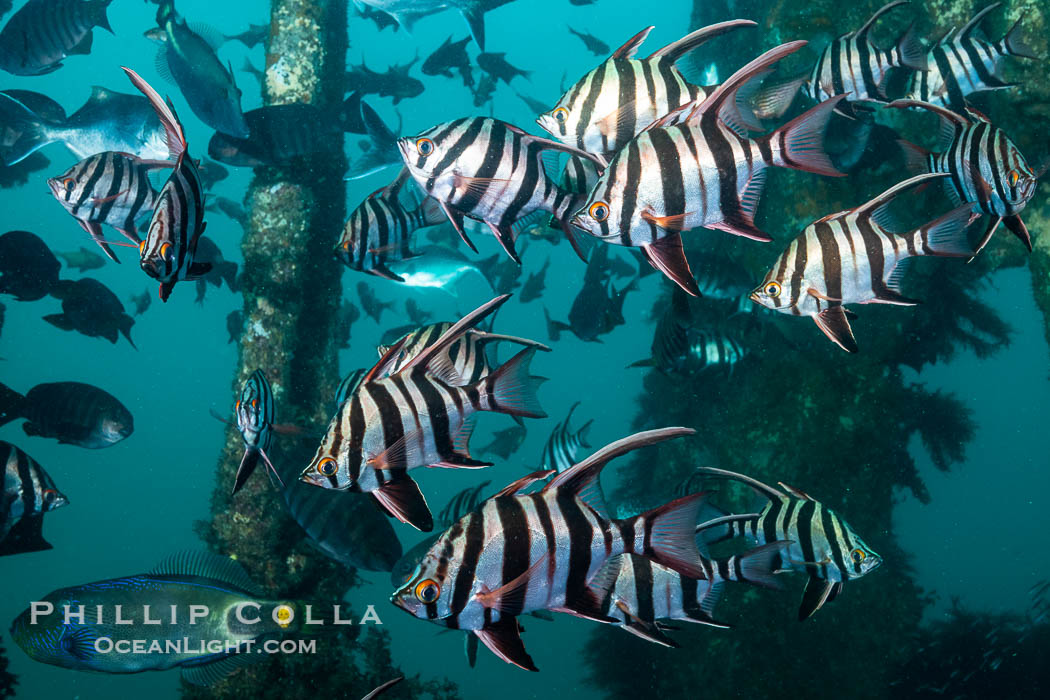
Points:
(805, 535)
(579, 532)
(474, 542)
(436, 411)
(517, 546)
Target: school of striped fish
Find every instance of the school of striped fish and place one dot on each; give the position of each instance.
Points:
(649, 157)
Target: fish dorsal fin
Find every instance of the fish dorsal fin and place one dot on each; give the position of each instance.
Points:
(630, 47)
(172, 128)
(797, 493)
(677, 49)
(863, 31)
(519, 485)
(767, 491)
(208, 34)
(457, 330)
(385, 363)
(100, 94)
(977, 114)
(547, 144)
(206, 565)
(582, 477)
(950, 121)
(875, 209)
(970, 26)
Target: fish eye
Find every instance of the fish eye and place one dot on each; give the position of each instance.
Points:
(599, 211)
(238, 405)
(424, 146)
(560, 114)
(1014, 177)
(165, 250)
(49, 496)
(858, 555)
(773, 289)
(69, 183)
(255, 402)
(142, 247)
(428, 590)
(327, 467)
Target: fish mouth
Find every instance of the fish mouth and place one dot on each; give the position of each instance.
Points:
(753, 296)
(542, 121)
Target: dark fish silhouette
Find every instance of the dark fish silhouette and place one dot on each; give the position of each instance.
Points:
(28, 268)
(71, 412)
(505, 442)
(234, 324)
(82, 260)
(348, 315)
(534, 284)
(416, 315)
(43, 32)
(229, 208)
(28, 492)
(502, 273)
(221, 270)
(370, 303)
(405, 12)
(484, 90)
(497, 66)
(598, 307)
(278, 135)
(395, 82)
(92, 309)
(211, 173)
(251, 37)
(451, 55)
(593, 44)
(142, 302)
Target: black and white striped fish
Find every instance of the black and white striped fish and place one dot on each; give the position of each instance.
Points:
(255, 416)
(167, 253)
(349, 386)
(853, 66)
(379, 231)
(28, 492)
(983, 165)
(108, 188)
(823, 545)
(526, 552)
(490, 171)
(614, 102)
(696, 167)
(559, 453)
(419, 416)
(962, 63)
(855, 257)
(43, 32)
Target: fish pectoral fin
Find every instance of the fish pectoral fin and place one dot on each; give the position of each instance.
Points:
(60, 321)
(815, 595)
(198, 270)
(820, 295)
(396, 455)
(503, 639)
(109, 198)
(475, 186)
(403, 499)
(386, 273)
(834, 323)
(668, 256)
(671, 222)
(510, 597)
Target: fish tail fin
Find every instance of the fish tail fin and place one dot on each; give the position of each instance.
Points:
(799, 144)
(511, 389)
(946, 236)
(1014, 44)
(474, 13)
(10, 404)
(757, 566)
(101, 19)
(667, 536)
(34, 131)
(910, 51)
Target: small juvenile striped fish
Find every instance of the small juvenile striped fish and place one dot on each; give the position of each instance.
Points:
(962, 64)
(854, 257)
(527, 552)
(983, 165)
(43, 32)
(108, 188)
(691, 168)
(255, 417)
(614, 102)
(560, 451)
(167, 253)
(379, 231)
(28, 492)
(419, 416)
(851, 65)
(823, 545)
(490, 171)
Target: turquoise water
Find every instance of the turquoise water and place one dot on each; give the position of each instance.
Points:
(977, 540)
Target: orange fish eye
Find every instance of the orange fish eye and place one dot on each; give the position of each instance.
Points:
(238, 406)
(1014, 177)
(560, 114)
(424, 146)
(69, 183)
(427, 591)
(255, 402)
(773, 289)
(327, 467)
(599, 211)
(142, 247)
(858, 555)
(165, 250)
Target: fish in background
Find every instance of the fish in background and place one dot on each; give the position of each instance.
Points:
(538, 551)
(961, 64)
(43, 32)
(809, 279)
(381, 152)
(251, 37)
(28, 492)
(406, 12)
(416, 315)
(71, 412)
(985, 168)
(82, 260)
(107, 121)
(255, 413)
(141, 302)
(484, 90)
(497, 66)
(593, 44)
(379, 231)
(431, 425)
(505, 442)
(108, 188)
(437, 267)
(535, 283)
(216, 583)
(822, 544)
(531, 102)
(564, 443)
(189, 60)
(92, 309)
(222, 270)
(697, 167)
(13, 125)
(502, 273)
(234, 325)
(257, 73)
(853, 66)
(230, 209)
(211, 173)
(28, 268)
(381, 19)
(278, 135)
(598, 307)
(395, 82)
(370, 302)
(593, 115)
(167, 254)
(497, 175)
(347, 316)
(451, 55)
